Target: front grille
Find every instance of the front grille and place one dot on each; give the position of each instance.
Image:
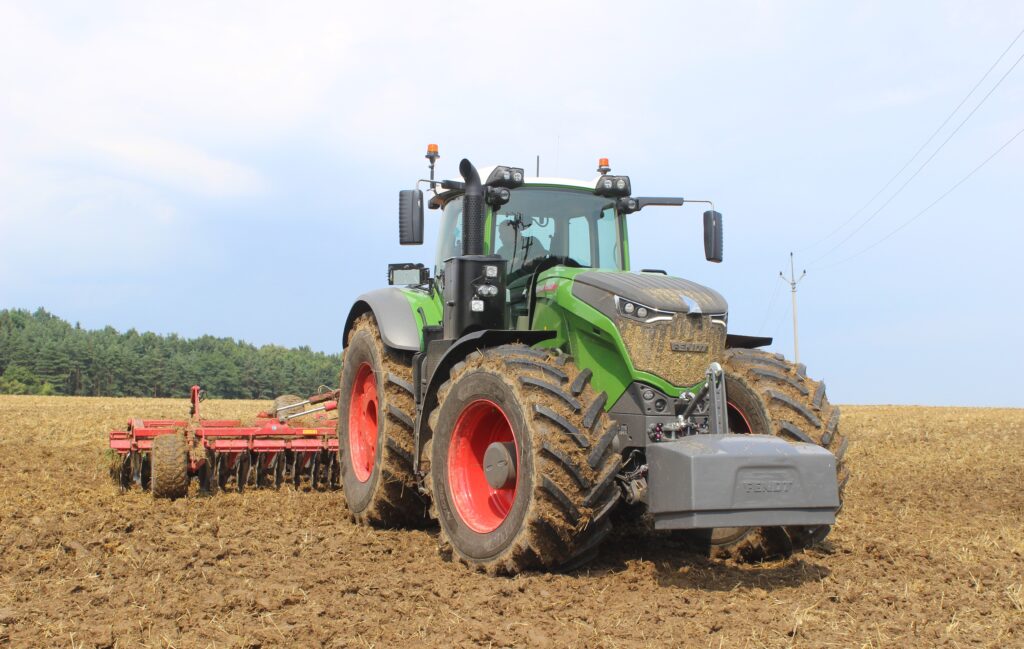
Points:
(679, 350)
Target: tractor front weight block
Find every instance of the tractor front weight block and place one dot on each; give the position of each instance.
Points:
(705, 481)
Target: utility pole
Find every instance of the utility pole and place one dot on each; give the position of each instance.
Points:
(793, 281)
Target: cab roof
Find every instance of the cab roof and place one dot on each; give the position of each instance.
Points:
(442, 197)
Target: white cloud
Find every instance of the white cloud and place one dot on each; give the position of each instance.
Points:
(178, 165)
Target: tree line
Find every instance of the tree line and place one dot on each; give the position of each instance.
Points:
(42, 354)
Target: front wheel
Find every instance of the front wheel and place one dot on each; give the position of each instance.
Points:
(769, 396)
(523, 466)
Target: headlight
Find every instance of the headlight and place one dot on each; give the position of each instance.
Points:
(637, 311)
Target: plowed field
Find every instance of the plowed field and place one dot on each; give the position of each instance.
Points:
(929, 552)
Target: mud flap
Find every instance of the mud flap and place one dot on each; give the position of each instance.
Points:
(706, 481)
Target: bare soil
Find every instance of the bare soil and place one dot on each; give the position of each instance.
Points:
(929, 552)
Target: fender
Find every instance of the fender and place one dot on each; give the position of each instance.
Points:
(736, 341)
(459, 350)
(394, 315)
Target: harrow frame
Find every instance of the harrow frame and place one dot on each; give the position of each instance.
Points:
(269, 452)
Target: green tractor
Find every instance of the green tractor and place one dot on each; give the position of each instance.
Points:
(532, 385)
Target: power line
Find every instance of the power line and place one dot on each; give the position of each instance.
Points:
(923, 165)
(921, 148)
(932, 204)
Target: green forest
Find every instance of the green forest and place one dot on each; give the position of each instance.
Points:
(42, 354)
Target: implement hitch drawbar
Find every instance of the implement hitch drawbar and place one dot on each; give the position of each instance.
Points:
(220, 452)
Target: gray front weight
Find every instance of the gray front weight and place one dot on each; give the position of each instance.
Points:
(706, 481)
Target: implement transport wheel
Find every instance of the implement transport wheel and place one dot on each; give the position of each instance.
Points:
(767, 395)
(169, 466)
(523, 463)
(375, 431)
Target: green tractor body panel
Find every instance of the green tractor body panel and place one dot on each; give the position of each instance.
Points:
(590, 337)
(423, 305)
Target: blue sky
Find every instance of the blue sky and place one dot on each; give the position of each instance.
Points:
(231, 168)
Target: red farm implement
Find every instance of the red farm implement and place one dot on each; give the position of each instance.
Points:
(163, 455)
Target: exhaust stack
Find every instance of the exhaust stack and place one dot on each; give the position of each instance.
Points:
(472, 210)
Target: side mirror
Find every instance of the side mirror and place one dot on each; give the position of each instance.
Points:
(410, 217)
(713, 236)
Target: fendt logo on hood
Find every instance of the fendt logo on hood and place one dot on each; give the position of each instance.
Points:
(693, 348)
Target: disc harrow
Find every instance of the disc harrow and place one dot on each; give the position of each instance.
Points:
(291, 443)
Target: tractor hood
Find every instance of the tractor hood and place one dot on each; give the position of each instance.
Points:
(652, 290)
(670, 327)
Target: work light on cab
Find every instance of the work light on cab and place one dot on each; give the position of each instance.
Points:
(508, 177)
(613, 186)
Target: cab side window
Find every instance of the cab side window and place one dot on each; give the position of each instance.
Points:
(579, 240)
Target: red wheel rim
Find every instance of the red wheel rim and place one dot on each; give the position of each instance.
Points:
(736, 416)
(362, 422)
(480, 506)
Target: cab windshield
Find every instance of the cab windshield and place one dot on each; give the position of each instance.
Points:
(540, 222)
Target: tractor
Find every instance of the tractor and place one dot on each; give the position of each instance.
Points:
(531, 385)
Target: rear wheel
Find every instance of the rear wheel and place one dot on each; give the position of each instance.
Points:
(169, 466)
(375, 431)
(523, 466)
(769, 396)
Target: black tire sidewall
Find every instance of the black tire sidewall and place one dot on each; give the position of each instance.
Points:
(745, 399)
(473, 386)
(360, 350)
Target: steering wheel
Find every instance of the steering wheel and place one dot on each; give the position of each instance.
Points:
(543, 262)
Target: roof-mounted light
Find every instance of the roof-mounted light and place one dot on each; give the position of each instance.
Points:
(508, 177)
(613, 186)
(602, 166)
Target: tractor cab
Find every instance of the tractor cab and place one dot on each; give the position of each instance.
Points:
(546, 222)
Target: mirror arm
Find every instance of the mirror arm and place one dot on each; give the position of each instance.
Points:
(711, 203)
(644, 201)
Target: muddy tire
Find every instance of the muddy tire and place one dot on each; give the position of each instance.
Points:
(771, 396)
(552, 508)
(169, 466)
(376, 412)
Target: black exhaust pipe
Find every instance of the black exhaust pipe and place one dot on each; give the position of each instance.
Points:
(472, 210)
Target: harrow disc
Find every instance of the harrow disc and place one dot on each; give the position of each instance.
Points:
(124, 473)
(243, 465)
(335, 473)
(314, 470)
(280, 464)
(223, 470)
(298, 468)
